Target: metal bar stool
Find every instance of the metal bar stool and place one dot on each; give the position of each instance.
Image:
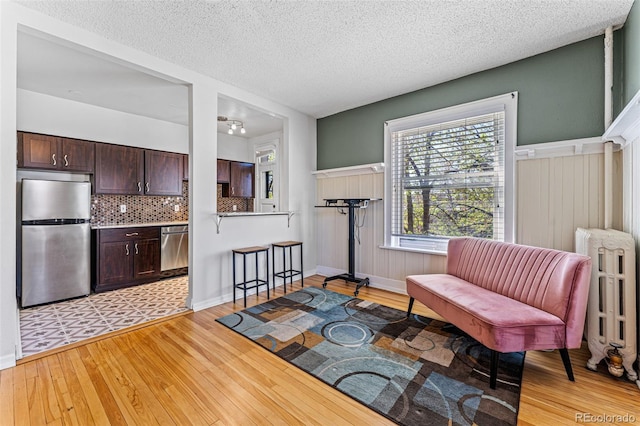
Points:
(287, 272)
(256, 281)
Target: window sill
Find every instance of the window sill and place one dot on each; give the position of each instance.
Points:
(415, 250)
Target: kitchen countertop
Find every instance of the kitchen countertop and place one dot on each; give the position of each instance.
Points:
(138, 225)
(231, 214)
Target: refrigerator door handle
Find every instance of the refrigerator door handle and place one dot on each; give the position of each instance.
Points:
(127, 249)
(53, 158)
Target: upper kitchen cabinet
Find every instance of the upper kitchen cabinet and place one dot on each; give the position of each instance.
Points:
(119, 170)
(185, 167)
(223, 171)
(241, 178)
(163, 173)
(135, 171)
(55, 153)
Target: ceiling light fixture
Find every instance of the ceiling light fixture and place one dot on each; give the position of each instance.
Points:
(233, 124)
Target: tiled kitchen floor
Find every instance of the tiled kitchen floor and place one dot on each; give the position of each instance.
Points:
(50, 326)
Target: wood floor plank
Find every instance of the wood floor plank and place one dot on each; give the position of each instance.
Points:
(193, 370)
(107, 400)
(7, 396)
(244, 401)
(176, 382)
(20, 396)
(123, 387)
(48, 392)
(206, 396)
(34, 397)
(142, 398)
(79, 404)
(171, 397)
(60, 391)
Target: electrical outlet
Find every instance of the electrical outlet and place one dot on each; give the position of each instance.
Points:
(176, 208)
(123, 208)
(235, 208)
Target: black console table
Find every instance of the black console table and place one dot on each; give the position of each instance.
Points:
(351, 204)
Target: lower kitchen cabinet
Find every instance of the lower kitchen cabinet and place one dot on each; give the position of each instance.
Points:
(124, 257)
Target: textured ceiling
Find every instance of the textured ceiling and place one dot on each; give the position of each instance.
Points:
(323, 57)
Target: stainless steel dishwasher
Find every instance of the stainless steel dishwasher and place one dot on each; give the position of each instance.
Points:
(175, 247)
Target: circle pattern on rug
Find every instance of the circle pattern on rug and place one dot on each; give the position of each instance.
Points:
(346, 333)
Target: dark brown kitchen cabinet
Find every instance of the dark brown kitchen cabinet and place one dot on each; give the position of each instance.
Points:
(162, 173)
(37, 151)
(185, 167)
(223, 171)
(124, 257)
(119, 169)
(136, 171)
(241, 179)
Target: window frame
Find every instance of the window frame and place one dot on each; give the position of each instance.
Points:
(508, 103)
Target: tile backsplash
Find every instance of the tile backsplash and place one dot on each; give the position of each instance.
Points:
(225, 204)
(105, 209)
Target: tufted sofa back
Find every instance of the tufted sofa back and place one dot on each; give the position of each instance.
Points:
(554, 281)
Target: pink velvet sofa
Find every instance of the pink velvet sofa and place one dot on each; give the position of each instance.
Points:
(509, 297)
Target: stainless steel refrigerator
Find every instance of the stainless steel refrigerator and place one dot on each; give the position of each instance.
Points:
(56, 241)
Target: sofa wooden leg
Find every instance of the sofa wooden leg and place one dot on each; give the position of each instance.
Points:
(411, 300)
(493, 377)
(564, 353)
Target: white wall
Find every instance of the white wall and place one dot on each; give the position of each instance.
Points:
(210, 260)
(8, 306)
(50, 115)
(234, 148)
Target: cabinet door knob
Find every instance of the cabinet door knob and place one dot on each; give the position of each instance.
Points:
(53, 158)
(66, 161)
(146, 187)
(233, 191)
(136, 247)
(127, 249)
(139, 186)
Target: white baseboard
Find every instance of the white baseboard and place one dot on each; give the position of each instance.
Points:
(228, 297)
(374, 281)
(7, 361)
(209, 303)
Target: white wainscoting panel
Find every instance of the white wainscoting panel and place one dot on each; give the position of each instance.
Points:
(557, 195)
(385, 268)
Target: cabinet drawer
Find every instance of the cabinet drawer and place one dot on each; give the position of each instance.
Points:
(124, 234)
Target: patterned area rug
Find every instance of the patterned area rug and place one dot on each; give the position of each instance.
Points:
(414, 371)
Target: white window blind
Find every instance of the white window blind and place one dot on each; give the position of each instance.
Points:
(448, 180)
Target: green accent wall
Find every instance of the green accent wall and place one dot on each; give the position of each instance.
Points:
(631, 55)
(560, 97)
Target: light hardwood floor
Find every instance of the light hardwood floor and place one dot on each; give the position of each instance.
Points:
(188, 369)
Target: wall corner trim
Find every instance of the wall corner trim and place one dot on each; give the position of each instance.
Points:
(626, 127)
(361, 169)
